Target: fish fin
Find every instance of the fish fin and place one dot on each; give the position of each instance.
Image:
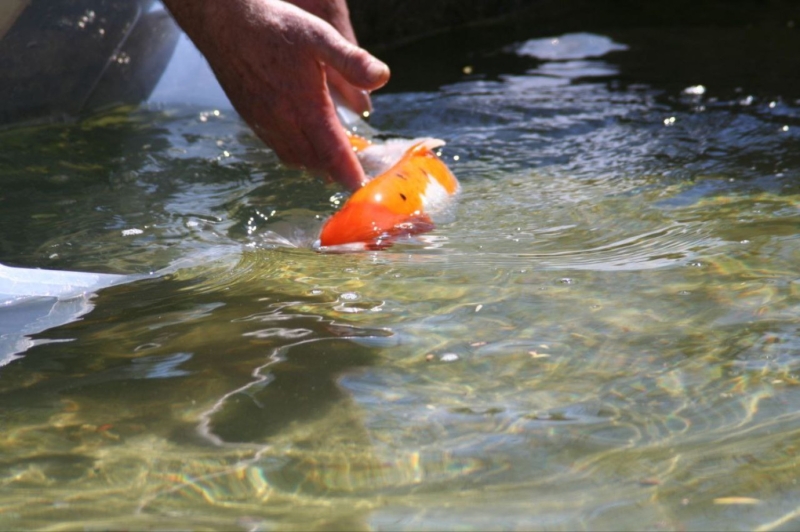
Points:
(378, 158)
(429, 143)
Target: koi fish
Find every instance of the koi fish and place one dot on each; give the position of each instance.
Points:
(399, 201)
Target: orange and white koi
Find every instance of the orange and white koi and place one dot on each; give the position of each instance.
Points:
(400, 201)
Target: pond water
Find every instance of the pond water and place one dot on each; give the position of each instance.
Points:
(605, 336)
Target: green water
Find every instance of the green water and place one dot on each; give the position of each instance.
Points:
(605, 336)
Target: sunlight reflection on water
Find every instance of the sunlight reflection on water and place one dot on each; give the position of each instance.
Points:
(604, 336)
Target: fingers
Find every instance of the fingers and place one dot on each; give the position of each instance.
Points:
(274, 62)
(333, 150)
(309, 135)
(356, 100)
(355, 64)
(341, 164)
(293, 150)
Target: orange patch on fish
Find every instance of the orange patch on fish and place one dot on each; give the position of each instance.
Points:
(398, 202)
(358, 143)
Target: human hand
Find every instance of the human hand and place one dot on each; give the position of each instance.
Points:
(272, 59)
(335, 13)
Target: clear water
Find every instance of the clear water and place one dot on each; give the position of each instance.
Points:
(606, 336)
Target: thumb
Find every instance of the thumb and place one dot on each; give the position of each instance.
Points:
(356, 65)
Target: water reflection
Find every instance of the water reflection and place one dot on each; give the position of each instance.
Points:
(604, 336)
(569, 46)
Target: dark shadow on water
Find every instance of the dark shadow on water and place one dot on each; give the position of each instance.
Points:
(303, 389)
(153, 347)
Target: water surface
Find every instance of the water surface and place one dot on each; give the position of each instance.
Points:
(605, 336)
